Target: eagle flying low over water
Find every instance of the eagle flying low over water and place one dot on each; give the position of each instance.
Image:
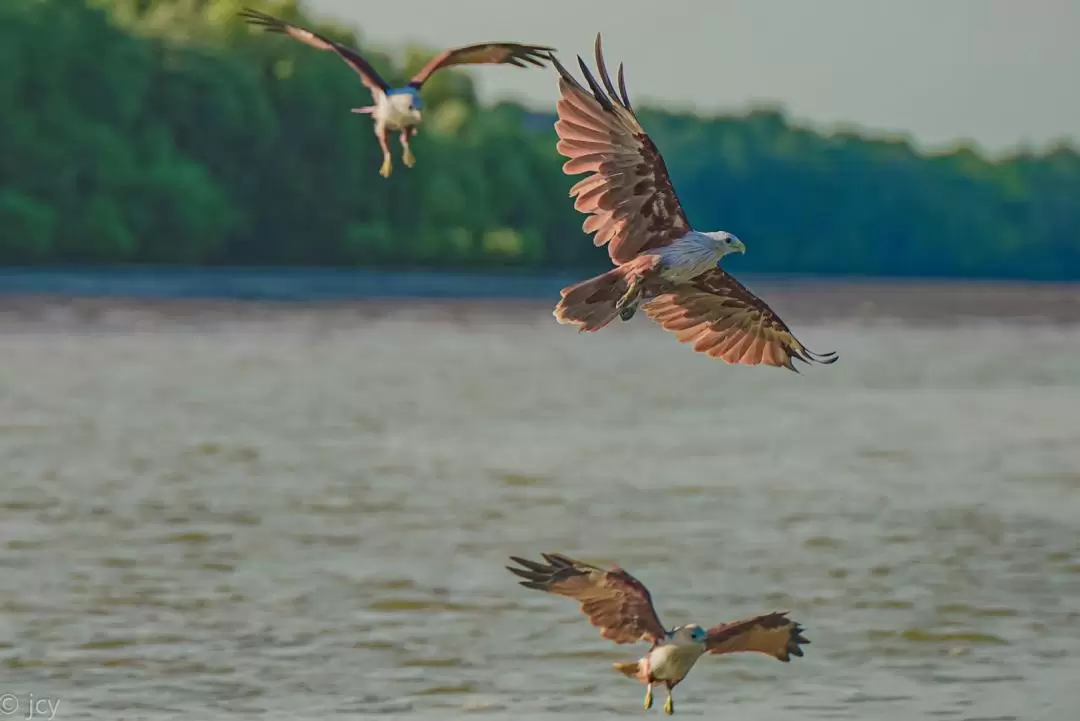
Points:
(662, 264)
(400, 108)
(621, 607)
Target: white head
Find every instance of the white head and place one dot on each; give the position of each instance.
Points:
(688, 634)
(725, 242)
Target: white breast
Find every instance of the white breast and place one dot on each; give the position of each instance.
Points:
(688, 257)
(397, 111)
(671, 662)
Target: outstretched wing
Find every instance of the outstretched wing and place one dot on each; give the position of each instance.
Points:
(613, 600)
(628, 195)
(514, 54)
(362, 67)
(724, 320)
(773, 634)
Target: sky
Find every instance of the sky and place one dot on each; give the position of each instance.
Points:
(998, 73)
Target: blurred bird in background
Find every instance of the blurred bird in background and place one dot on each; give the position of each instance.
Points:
(400, 109)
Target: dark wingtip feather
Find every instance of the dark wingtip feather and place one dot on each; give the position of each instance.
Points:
(565, 74)
(597, 91)
(531, 565)
(797, 639)
(557, 560)
(826, 358)
(601, 67)
(256, 17)
(527, 575)
(622, 89)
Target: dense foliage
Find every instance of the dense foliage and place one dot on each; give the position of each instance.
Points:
(168, 131)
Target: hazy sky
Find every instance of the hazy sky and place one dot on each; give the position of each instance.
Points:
(1000, 72)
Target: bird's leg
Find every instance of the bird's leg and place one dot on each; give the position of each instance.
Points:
(648, 697)
(387, 162)
(407, 157)
(669, 705)
(629, 296)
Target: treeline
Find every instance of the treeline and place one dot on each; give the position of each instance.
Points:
(168, 131)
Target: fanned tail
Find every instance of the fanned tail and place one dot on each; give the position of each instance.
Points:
(628, 668)
(590, 304)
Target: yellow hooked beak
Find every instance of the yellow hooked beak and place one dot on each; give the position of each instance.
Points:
(738, 246)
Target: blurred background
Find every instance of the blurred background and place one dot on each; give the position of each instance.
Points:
(270, 424)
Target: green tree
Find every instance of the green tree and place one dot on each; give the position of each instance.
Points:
(170, 131)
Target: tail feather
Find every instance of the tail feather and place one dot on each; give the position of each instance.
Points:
(628, 668)
(590, 304)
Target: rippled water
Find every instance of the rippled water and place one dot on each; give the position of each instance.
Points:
(288, 511)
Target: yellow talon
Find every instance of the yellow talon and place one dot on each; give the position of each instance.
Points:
(386, 167)
(408, 158)
(648, 699)
(630, 293)
(669, 705)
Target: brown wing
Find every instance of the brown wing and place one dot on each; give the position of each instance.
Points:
(613, 600)
(514, 54)
(628, 195)
(362, 67)
(773, 634)
(725, 320)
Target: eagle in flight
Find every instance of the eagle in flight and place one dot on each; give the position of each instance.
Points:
(399, 109)
(621, 607)
(661, 263)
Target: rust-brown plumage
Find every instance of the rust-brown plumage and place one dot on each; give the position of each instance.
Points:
(628, 196)
(773, 634)
(368, 75)
(724, 320)
(516, 54)
(399, 109)
(622, 608)
(632, 207)
(613, 600)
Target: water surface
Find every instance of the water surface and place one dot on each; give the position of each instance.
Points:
(300, 511)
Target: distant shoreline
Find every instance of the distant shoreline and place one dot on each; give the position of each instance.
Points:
(240, 293)
(315, 284)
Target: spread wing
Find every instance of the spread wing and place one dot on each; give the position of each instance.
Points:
(514, 54)
(724, 320)
(613, 600)
(628, 195)
(362, 67)
(773, 634)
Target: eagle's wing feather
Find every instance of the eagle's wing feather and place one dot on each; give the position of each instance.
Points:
(363, 68)
(725, 320)
(613, 600)
(515, 54)
(628, 195)
(773, 634)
